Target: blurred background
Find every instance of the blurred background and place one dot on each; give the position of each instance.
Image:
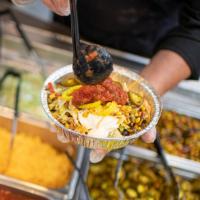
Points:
(33, 45)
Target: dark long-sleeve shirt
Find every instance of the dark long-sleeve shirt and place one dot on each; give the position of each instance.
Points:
(145, 26)
(184, 39)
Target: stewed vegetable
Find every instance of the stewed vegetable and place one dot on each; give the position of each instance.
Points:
(180, 135)
(139, 180)
(107, 109)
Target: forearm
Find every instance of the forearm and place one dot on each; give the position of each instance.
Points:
(165, 71)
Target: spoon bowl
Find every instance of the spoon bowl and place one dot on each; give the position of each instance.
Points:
(94, 64)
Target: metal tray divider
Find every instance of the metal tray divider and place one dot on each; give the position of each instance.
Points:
(79, 192)
(182, 104)
(30, 188)
(179, 163)
(74, 184)
(185, 174)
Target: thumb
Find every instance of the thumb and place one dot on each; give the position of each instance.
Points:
(150, 136)
(97, 155)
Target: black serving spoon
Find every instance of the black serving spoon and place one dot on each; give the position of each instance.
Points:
(161, 154)
(91, 63)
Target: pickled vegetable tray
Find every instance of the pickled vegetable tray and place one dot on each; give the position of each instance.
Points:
(179, 129)
(139, 179)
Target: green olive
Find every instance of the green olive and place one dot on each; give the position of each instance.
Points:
(141, 188)
(131, 193)
(69, 82)
(135, 98)
(144, 179)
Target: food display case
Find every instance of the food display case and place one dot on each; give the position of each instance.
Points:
(181, 116)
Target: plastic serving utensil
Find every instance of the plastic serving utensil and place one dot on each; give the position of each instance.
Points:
(91, 63)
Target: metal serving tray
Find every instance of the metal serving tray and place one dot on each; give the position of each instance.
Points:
(185, 103)
(42, 129)
(63, 194)
(116, 155)
(30, 188)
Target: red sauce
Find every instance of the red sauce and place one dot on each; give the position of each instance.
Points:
(107, 91)
(7, 193)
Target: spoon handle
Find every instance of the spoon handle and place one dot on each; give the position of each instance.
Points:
(75, 30)
(168, 169)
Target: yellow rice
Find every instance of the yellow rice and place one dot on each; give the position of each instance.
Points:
(34, 161)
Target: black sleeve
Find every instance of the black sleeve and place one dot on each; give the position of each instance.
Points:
(185, 39)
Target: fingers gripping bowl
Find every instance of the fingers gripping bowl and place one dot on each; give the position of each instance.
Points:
(100, 123)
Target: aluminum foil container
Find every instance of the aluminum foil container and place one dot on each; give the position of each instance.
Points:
(134, 82)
